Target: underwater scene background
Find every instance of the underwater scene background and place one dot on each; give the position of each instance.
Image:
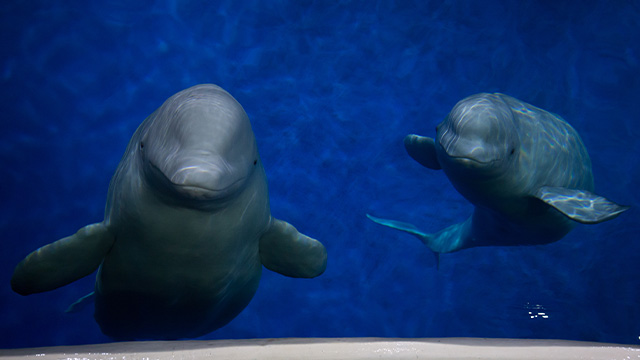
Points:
(331, 88)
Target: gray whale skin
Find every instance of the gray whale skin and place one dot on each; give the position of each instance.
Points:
(525, 170)
(187, 227)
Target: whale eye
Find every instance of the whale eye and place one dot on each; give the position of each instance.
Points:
(141, 145)
(255, 161)
(512, 151)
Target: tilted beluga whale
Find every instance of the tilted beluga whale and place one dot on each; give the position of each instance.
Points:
(526, 171)
(186, 231)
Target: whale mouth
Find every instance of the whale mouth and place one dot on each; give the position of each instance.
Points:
(465, 150)
(197, 192)
(204, 193)
(473, 156)
(190, 189)
(471, 166)
(471, 162)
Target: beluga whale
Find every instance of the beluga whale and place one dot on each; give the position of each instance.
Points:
(525, 170)
(187, 227)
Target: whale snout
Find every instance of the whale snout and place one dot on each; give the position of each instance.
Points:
(473, 152)
(469, 157)
(470, 162)
(200, 182)
(193, 181)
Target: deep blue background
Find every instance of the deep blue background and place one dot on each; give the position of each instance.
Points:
(331, 88)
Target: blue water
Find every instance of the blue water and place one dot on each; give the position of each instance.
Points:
(331, 88)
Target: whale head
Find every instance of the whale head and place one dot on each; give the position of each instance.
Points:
(478, 138)
(198, 145)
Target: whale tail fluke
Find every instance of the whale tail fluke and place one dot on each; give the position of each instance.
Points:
(426, 239)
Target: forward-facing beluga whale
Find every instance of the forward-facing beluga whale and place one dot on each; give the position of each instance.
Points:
(186, 231)
(526, 171)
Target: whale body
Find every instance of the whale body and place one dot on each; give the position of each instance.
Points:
(187, 227)
(525, 170)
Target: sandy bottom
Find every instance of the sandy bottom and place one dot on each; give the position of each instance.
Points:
(335, 348)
